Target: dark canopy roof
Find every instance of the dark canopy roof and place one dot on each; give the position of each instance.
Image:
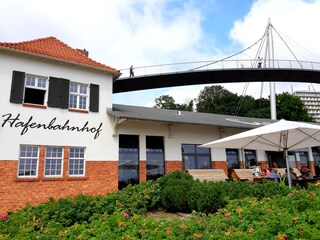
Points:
(184, 117)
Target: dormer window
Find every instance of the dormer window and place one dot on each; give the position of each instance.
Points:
(78, 96)
(35, 89)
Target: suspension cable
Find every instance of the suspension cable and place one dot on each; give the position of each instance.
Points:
(288, 47)
(192, 69)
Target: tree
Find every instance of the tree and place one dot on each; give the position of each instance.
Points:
(165, 102)
(185, 106)
(217, 99)
(290, 107)
(168, 102)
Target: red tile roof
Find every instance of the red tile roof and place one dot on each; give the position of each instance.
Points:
(53, 48)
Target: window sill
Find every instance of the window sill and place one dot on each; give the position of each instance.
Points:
(76, 178)
(78, 110)
(23, 179)
(34, 105)
(52, 179)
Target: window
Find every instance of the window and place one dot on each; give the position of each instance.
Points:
(232, 159)
(76, 161)
(250, 158)
(304, 159)
(78, 97)
(195, 157)
(53, 161)
(155, 157)
(59, 92)
(35, 89)
(128, 165)
(28, 161)
(316, 159)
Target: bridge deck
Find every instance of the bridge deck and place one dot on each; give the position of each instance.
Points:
(216, 76)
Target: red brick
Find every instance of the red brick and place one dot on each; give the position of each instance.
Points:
(101, 178)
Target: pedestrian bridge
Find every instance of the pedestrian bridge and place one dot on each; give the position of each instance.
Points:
(217, 72)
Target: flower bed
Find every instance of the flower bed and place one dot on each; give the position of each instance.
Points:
(247, 213)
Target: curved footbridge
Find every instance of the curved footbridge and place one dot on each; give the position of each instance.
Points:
(210, 73)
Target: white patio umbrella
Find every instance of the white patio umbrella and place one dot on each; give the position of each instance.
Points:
(279, 136)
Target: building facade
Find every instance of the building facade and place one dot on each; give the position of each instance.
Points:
(61, 135)
(311, 100)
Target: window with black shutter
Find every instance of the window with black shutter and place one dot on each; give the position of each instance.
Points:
(17, 87)
(27, 88)
(58, 92)
(94, 98)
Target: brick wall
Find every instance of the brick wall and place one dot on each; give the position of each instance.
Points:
(143, 171)
(101, 177)
(220, 165)
(172, 166)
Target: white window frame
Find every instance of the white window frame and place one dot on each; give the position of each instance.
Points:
(35, 86)
(57, 158)
(78, 159)
(79, 95)
(26, 158)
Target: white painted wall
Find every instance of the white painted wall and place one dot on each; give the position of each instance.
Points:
(105, 147)
(188, 134)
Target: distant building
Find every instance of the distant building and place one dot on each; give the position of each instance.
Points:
(311, 100)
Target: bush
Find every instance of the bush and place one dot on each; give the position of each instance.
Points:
(57, 215)
(206, 197)
(175, 187)
(180, 193)
(238, 190)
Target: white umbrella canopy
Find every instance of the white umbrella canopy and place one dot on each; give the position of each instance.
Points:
(279, 136)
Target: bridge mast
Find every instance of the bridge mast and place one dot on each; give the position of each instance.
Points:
(269, 62)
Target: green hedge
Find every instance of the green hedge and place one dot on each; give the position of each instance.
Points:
(181, 193)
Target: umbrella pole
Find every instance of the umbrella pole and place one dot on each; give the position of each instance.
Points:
(288, 167)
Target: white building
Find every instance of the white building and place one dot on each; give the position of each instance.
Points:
(311, 100)
(60, 134)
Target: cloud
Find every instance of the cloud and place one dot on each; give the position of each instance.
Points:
(144, 32)
(292, 19)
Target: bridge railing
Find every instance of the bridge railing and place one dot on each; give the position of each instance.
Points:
(219, 65)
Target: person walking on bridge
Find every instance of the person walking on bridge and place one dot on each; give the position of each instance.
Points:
(259, 62)
(131, 71)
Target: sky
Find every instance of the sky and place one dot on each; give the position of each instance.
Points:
(120, 33)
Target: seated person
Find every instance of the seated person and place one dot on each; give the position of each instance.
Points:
(292, 172)
(274, 175)
(293, 176)
(267, 170)
(305, 173)
(259, 171)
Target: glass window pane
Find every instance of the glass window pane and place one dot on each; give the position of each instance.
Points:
(232, 158)
(188, 148)
(76, 162)
(204, 162)
(203, 150)
(155, 157)
(128, 165)
(195, 157)
(28, 161)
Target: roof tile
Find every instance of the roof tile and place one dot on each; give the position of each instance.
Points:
(54, 48)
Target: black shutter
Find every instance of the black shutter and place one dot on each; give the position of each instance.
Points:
(64, 93)
(58, 95)
(94, 98)
(17, 87)
(53, 94)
